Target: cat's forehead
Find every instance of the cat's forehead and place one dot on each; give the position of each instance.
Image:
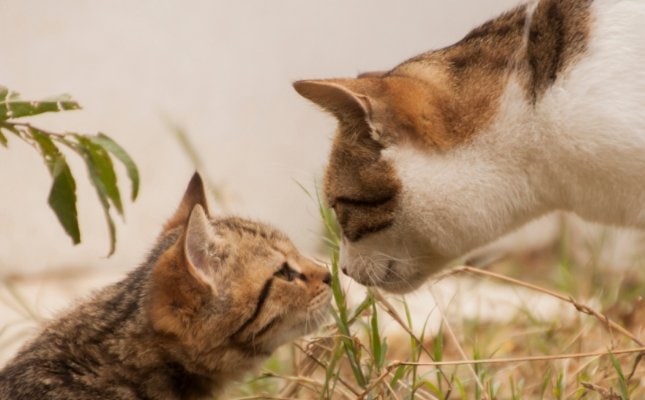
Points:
(252, 231)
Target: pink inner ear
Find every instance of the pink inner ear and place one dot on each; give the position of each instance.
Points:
(198, 238)
(336, 97)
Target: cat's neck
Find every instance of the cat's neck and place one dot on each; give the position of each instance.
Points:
(573, 158)
(595, 170)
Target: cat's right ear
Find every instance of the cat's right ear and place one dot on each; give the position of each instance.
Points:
(195, 195)
(344, 98)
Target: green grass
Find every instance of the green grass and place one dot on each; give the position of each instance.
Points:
(352, 357)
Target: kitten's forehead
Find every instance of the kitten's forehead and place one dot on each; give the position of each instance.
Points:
(248, 233)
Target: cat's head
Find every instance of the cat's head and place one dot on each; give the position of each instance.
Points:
(412, 179)
(232, 288)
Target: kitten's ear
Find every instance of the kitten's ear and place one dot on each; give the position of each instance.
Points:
(195, 195)
(199, 239)
(345, 98)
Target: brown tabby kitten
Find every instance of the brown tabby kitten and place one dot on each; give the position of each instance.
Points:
(214, 298)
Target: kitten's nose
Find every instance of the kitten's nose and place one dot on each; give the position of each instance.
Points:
(327, 279)
(344, 269)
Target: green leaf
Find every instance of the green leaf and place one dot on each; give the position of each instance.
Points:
(432, 388)
(3, 139)
(115, 149)
(103, 179)
(460, 388)
(111, 229)
(11, 128)
(62, 194)
(375, 337)
(47, 147)
(62, 199)
(437, 348)
(14, 107)
(101, 171)
(399, 372)
(622, 382)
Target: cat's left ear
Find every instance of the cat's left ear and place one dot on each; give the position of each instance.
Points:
(353, 101)
(200, 241)
(387, 105)
(195, 195)
(345, 98)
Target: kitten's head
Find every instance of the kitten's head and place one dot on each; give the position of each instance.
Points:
(231, 289)
(411, 187)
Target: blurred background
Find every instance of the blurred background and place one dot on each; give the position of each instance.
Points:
(221, 73)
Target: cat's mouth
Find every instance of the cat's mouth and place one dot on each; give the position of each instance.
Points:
(396, 282)
(318, 311)
(389, 275)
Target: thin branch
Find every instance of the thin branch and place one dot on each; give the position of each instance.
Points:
(442, 310)
(567, 298)
(521, 359)
(509, 360)
(27, 125)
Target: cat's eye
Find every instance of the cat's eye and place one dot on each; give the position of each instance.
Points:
(286, 272)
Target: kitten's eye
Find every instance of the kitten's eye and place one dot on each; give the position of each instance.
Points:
(286, 272)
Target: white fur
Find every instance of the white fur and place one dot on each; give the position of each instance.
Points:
(581, 148)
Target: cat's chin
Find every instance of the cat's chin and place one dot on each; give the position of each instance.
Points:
(394, 281)
(391, 275)
(316, 317)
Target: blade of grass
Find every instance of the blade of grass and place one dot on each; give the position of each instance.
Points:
(622, 382)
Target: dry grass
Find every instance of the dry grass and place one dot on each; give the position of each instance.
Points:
(581, 351)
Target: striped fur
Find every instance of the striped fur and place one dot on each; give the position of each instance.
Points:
(537, 110)
(210, 302)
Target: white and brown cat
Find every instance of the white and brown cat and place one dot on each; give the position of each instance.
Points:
(540, 109)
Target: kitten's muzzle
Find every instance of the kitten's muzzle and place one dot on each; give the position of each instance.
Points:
(327, 279)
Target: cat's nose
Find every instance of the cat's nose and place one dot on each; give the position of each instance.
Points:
(344, 269)
(327, 279)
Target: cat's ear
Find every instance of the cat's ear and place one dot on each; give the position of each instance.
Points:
(388, 105)
(195, 195)
(345, 98)
(199, 242)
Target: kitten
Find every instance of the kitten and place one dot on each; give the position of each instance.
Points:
(540, 109)
(215, 297)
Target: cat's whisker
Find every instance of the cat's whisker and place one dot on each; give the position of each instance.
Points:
(401, 279)
(402, 260)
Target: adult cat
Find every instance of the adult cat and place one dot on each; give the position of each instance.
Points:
(540, 109)
(215, 297)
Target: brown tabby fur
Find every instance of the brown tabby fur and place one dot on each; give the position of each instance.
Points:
(214, 297)
(438, 100)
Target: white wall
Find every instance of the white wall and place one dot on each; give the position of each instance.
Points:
(220, 69)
